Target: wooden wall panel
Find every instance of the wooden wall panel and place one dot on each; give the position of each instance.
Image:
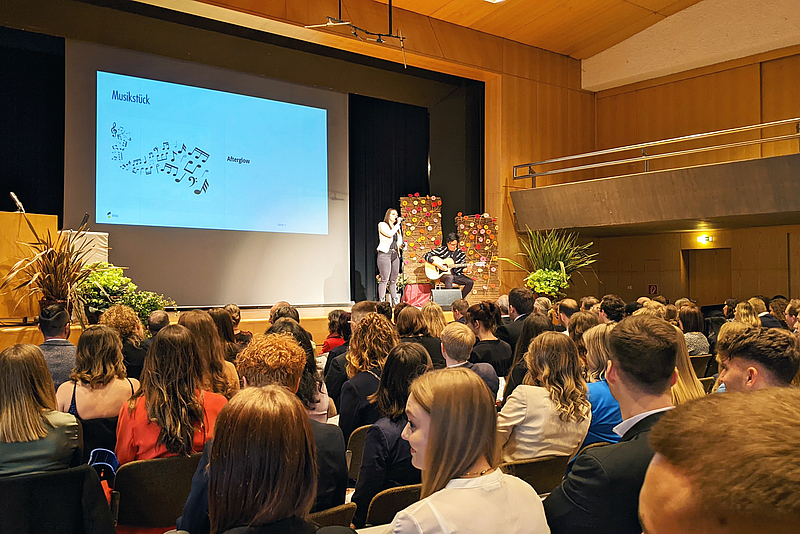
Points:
(779, 100)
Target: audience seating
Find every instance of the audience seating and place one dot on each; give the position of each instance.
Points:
(386, 504)
(708, 383)
(341, 515)
(355, 451)
(543, 474)
(700, 364)
(65, 502)
(151, 493)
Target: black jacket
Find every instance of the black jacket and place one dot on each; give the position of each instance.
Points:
(601, 493)
(336, 372)
(510, 332)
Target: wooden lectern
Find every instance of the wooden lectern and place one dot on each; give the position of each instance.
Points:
(15, 232)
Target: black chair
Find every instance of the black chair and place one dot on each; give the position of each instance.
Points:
(341, 515)
(355, 451)
(151, 493)
(65, 502)
(700, 364)
(386, 504)
(543, 474)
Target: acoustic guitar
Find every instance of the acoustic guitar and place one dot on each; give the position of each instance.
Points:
(434, 272)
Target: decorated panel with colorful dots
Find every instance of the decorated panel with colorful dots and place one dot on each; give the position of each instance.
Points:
(422, 230)
(478, 239)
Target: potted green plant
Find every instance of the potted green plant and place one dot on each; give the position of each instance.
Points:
(552, 256)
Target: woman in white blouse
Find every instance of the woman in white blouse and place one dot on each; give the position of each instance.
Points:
(390, 234)
(452, 433)
(548, 414)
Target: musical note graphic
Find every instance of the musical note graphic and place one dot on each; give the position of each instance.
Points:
(114, 130)
(202, 189)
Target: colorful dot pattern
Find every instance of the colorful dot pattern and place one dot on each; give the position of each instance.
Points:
(479, 241)
(422, 230)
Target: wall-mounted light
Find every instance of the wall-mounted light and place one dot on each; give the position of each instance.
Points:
(704, 239)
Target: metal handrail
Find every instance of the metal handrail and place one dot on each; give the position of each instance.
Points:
(644, 146)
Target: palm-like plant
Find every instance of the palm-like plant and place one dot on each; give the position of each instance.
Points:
(552, 257)
(55, 267)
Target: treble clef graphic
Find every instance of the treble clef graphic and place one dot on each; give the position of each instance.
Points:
(114, 129)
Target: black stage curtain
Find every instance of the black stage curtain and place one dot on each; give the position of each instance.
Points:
(388, 159)
(32, 122)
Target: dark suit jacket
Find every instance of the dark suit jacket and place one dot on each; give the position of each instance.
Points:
(336, 372)
(486, 372)
(510, 332)
(331, 483)
(601, 493)
(770, 321)
(356, 410)
(434, 347)
(133, 358)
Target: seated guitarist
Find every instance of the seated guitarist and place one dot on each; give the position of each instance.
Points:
(451, 250)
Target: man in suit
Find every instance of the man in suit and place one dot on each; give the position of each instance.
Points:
(155, 322)
(520, 304)
(761, 307)
(758, 358)
(275, 359)
(566, 309)
(457, 343)
(336, 366)
(704, 480)
(502, 303)
(601, 493)
(58, 352)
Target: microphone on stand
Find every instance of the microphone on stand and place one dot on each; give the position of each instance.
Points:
(17, 202)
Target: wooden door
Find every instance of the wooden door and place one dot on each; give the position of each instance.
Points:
(709, 275)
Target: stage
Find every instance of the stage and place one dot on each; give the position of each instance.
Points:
(314, 319)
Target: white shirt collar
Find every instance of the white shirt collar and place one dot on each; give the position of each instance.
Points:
(460, 364)
(762, 314)
(628, 423)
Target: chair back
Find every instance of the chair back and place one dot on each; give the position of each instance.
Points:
(708, 383)
(67, 501)
(152, 493)
(386, 504)
(355, 451)
(543, 474)
(700, 363)
(341, 516)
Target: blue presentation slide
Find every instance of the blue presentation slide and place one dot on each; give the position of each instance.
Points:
(180, 156)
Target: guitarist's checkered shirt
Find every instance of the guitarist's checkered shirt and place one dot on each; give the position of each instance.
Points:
(457, 256)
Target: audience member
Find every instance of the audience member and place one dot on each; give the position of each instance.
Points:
(452, 434)
(97, 388)
(58, 352)
(761, 308)
(275, 307)
(672, 316)
(777, 308)
(687, 387)
(169, 415)
(757, 358)
(372, 340)
(642, 300)
(224, 323)
(335, 338)
(387, 457)
(219, 375)
(661, 299)
(630, 308)
(397, 309)
(336, 366)
(601, 493)
(690, 320)
(729, 308)
(242, 337)
(755, 488)
(612, 309)
(502, 303)
(744, 313)
(34, 436)
(274, 359)
(284, 311)
(587, 303)
(605, 408)
(411, 327)
(457, 343)
(542, 305)
(433, 317)
(533, 325)
(262, 468)
(125, 321)
(790, 313)
(548, 414)
(579, 323)
(458, 307)
(566, 309)
(384, 308)
(520, 304)
(482, 319)
(681, 302)
(312, 391)
(157, 320)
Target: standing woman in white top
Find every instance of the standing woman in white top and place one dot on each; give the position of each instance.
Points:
(391, 239)
(451, 430)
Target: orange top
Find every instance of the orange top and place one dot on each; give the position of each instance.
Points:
(137, 436)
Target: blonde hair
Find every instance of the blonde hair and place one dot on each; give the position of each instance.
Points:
(463, 425)
(370, 343)
(125, 321)
(26, 392)
(433, 316)
(597, 351)
(745, 313)
(458, 341)
(652, 307)
(688, 387)
(758, 305)
(553, 364)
